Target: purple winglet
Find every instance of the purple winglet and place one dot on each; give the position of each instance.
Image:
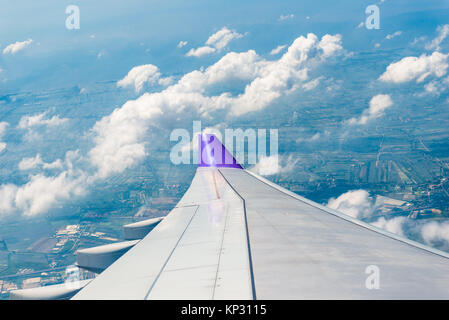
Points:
(212, 153)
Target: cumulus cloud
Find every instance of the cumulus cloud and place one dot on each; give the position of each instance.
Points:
(7, 196)
(271, 165)
(35, 162)
(201, 51)
(40, 120)
(138, 76)
(165, 81)
(216, 42)
(435, 232)
(355, 203)
(119, 136)
(377, 105)
(443, 32)
(220, 39)
(286, 74)
(267, 166)
(30, 163)
(43, 192)
(411, 68)
(17, 46)
(330, 44)
(394, 225)
(277, 50)
(358, 204)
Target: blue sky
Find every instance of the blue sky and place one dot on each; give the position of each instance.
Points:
(125, 30)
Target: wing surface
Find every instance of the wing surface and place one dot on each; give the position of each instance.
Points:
(235, 235)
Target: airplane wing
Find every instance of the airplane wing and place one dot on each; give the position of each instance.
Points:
(236, 235)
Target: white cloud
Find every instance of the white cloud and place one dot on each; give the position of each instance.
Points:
(233, 66)
(271, 165)
(216, 42)
(267, 166)
(311, 84)
(117, 142)
(7, 195)
(39, 120)
(30, 163)
(34, 162)
(431, 87)
(182, 44)
(330, 44)
(43, 192)
(434, 232)
(221, 38)
(377, 105)
(277, 50)
(356, 203)
(17, 46)
(393, 35)
(286, 17)
(140, 75)
(119, 136)
(165, 81)
(57, 164)
(3, 126)
(443, 32)
(411, 68)
(284, 75)
(394, 225)
(437, 87)
(201, 51)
